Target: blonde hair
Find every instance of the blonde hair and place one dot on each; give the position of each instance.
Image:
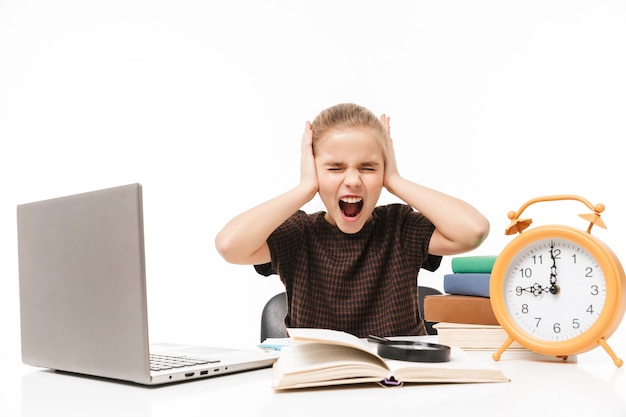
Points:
(346, 116)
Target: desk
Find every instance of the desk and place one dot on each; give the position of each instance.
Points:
(592, 386)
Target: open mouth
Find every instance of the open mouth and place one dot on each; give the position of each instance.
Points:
(351, 206)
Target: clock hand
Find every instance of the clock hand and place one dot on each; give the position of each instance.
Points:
(536, 289)
(554, 289)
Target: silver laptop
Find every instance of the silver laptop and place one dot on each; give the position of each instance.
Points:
(83, 306)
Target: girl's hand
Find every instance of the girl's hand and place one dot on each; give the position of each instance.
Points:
(391, 168)
(308, 173)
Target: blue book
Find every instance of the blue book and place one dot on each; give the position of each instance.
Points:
(467, 284)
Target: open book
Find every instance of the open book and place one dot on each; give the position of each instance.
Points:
(320, 357)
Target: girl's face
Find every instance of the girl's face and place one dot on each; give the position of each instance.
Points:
(350, 170)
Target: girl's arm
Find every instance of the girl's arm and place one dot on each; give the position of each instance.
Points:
(243, 240)
(459, 227)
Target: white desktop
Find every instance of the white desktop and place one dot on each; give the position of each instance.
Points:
(592, 385)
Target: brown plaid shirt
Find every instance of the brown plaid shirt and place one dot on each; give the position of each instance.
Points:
(362, 283)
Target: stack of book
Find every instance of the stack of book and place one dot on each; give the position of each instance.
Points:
(464, 316)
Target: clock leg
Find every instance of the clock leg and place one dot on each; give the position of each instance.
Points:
(505, 346)
(618, 362)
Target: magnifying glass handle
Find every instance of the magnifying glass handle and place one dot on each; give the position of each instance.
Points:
(377, 339)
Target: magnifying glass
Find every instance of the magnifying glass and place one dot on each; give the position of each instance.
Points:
(410, 350)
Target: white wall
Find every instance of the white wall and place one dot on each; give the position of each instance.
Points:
(204, 102)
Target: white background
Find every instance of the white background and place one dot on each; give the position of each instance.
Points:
(203, 102)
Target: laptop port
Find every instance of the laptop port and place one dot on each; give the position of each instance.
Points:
(204, 372)
(189, 374)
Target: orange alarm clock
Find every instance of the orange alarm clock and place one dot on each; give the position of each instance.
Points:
(555, 289)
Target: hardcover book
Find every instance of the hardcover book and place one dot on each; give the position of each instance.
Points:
(321, 357)
(455, 308)
(476, 284)
(473, 264)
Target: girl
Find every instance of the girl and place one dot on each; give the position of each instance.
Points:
(353, 267)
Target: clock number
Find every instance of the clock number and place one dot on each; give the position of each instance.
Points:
(538, 321)
(556, 328)
(537, 259)
(594, 290)
(525, 308)
(589, 272)
(575, 324)
(526, 272)
(574, 257)
(590, 309)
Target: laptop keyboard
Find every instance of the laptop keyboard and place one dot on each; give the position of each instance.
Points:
(164, 362)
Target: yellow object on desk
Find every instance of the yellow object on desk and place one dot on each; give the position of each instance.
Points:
(558, 290)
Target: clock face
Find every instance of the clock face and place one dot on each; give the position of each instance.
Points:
(554, 289)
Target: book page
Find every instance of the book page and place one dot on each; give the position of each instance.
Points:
(303, 363)
(462, 367)
(328, 336)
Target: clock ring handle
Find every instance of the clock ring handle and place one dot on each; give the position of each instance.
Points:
(517, 225)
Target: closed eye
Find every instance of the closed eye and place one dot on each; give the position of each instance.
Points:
(335, 167)
(369, 167)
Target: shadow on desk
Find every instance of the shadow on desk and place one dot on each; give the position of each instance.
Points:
(50, 393)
